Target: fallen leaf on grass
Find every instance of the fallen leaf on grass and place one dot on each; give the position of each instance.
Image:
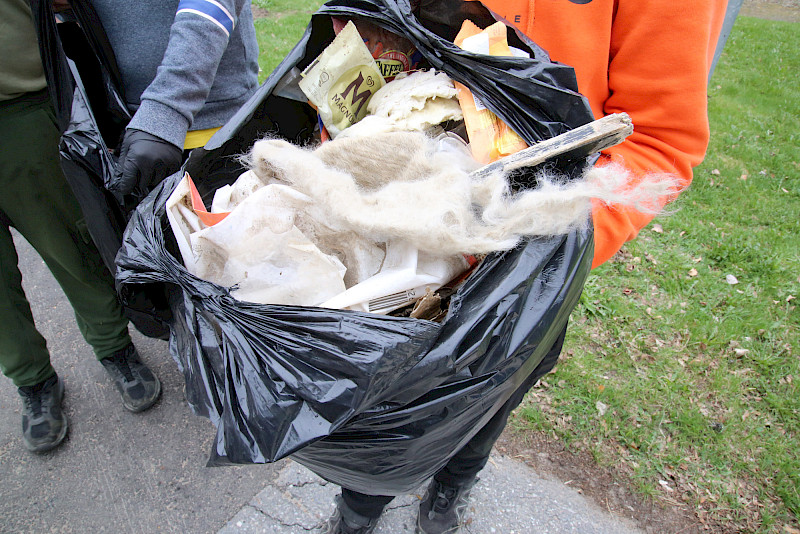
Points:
(732, 280)
(715, 172)
(693, 272)
(601, 407)
(665, 485)
(657, 228)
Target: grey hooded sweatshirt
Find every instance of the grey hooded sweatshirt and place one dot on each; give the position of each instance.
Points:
(185, 64)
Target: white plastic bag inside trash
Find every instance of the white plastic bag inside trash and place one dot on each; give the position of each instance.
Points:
(405, 276)
(183, 220)
(258, 250)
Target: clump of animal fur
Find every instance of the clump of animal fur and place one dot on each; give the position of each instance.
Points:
(406, 185)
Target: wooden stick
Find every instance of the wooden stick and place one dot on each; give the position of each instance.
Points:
(590, 138)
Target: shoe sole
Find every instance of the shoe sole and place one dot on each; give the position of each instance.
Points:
(50, 446)
(144, 407)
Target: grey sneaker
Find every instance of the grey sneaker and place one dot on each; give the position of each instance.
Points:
(44, 425)
(137, 385)
(443, 508)
(346, 521)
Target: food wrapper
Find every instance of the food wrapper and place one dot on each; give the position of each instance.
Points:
(341, 81)
(393, 53)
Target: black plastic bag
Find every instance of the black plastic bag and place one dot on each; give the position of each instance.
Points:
(374, 403)
(85, 87)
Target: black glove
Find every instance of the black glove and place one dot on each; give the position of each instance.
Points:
(144, 160)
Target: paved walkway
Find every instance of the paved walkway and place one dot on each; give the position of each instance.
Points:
(510, 498)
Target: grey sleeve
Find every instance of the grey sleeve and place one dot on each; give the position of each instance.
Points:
(198, 38)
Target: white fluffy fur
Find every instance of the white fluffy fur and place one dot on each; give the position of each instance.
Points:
(403, 185)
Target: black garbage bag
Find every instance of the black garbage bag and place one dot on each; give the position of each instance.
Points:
(85, 87)
(375, 403)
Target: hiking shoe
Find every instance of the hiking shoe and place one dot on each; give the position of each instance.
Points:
(43, 423)
(346, 521)
(137, 385)
(443, 507)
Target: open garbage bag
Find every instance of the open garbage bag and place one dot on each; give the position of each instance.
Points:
(85, 87)
(375, 403)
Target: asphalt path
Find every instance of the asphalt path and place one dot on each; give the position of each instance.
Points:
(117, 471)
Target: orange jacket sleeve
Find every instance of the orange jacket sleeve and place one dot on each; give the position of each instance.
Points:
(649, 59)
(658, 67)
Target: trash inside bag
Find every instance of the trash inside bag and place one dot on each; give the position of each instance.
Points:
(393, 215)
(415, 102)
(258, 248)
(372, 402)
(371, 239)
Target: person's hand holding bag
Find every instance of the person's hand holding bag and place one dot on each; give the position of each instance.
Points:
(144, 161)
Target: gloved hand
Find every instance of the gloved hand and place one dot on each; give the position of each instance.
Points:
(144, 160)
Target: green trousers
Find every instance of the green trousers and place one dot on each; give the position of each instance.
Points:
(36, 200)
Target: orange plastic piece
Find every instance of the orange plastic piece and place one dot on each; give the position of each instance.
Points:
(490, 138)
(208, 218)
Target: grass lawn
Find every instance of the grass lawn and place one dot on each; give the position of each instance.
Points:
(683, 359)
(279, 26)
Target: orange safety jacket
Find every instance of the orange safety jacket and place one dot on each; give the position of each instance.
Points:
(647, 58)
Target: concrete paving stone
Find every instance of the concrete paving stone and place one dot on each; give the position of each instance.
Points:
(510, 498)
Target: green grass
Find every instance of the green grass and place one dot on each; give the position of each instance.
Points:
(280, 29)
(699, 377)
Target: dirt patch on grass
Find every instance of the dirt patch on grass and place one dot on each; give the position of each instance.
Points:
(260, 12)
(783, 10)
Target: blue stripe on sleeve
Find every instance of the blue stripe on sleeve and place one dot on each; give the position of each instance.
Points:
(209, 9)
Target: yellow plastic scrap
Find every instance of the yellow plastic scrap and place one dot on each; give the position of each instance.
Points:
(490, 138)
